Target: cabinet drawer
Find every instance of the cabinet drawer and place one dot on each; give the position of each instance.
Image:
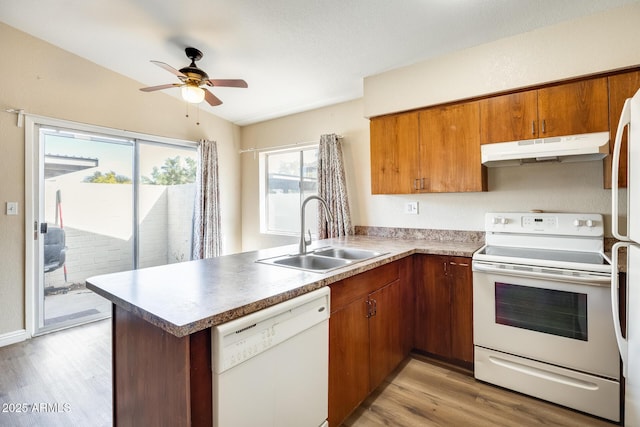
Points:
(348, 290)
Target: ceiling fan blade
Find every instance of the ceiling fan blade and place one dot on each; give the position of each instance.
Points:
(211, 98)
(169, 68)
(167, 86)
(227, 82)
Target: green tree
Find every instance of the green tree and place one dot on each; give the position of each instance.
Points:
(107, 178)
(173, 172)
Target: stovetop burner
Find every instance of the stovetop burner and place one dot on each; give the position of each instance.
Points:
(571, 241)
(546, 254)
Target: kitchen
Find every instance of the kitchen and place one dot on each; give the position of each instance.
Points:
(528, 187)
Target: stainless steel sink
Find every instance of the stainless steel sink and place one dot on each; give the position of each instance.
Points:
(312, 262)
(347, 253)
(322, 260)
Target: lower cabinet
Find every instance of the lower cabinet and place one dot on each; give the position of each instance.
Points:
(444, 308)
(369, 333)
(422, 302)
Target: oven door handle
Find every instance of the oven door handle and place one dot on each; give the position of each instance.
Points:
(586, 278)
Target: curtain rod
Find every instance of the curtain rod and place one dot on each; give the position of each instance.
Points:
(279, 147)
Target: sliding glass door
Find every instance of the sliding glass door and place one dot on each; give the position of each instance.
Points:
(106, 204)
(86, 222)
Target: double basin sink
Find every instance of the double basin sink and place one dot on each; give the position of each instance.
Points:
(322, 260)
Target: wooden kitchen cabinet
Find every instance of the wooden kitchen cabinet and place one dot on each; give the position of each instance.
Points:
(367, 335)
(444, 308)
(450, 149)
(621, 87)
(565, 109)
(431, 151)
(394, 153)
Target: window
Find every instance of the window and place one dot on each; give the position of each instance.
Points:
(287, 178)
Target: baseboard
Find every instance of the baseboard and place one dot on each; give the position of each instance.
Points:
(13, 337)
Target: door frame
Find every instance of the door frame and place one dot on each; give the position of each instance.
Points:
(32, 200)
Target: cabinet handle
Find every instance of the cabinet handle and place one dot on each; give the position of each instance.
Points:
(422, 183)
(375, 307)
(368, 303)
(415, 183)
(533, 127)
(544, 126)
(461, 264)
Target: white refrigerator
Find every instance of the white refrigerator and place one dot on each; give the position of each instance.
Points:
(630, 345)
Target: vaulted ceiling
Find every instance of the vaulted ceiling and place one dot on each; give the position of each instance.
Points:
(295, 55)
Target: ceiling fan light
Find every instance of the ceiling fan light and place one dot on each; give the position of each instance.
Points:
(192, 94)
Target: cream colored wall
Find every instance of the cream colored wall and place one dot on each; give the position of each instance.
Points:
(344, 119)
(597, 43)
(45, 80)
(580, 47)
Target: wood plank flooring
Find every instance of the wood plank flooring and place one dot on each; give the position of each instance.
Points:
(64, 379)
(425, 393)
(60, 379)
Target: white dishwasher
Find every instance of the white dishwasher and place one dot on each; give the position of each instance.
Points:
(271, 367)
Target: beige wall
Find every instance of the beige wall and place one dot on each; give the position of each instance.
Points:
(343, 119)
(597, 43)
(45, 80)
(603, 42)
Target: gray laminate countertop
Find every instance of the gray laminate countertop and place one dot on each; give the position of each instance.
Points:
(187, 297)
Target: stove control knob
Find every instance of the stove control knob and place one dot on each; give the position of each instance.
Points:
(499, 220)
(590, 223)
(577, 222)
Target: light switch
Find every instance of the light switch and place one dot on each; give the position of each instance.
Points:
(12, 208)
(411, 208)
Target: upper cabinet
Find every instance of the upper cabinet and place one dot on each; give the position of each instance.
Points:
(437, 149)
(565, 109)
(509, 117)
(621, 87)
(450, 149)
(433, 150)
(394, 153)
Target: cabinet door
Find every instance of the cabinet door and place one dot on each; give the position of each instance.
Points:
(509, 117)
(621, 87)
(348, 359)
(461, 286)
(394, 154)
(450, 149)
(433, 323)
(574, 108)
(408, 302)
(386, 333)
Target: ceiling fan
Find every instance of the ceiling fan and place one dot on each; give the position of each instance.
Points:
(192, 80)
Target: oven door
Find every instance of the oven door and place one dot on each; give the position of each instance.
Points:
(545, 318)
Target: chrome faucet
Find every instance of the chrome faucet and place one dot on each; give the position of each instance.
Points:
(303, 241)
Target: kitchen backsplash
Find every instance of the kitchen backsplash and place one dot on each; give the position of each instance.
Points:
(420, 233)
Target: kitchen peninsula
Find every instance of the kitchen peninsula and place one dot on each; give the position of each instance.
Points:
(162, 318)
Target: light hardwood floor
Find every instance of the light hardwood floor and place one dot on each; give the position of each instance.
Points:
(423, 392)
(60, 379)
(66, 378)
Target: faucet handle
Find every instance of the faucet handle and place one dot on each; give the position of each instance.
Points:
(308, 241)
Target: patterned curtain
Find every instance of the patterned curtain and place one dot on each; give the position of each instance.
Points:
(206, 214)
(332, 187)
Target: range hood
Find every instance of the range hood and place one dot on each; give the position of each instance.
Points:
(573, 148)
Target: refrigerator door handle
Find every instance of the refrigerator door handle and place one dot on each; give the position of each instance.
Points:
(622, 342)
(625, 120)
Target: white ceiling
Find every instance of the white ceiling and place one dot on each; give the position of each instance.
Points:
(295, 55)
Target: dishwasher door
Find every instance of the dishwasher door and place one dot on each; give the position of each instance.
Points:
(270, 368)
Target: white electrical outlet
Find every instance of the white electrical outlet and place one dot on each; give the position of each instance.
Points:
(411, 208)
(12, 208)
